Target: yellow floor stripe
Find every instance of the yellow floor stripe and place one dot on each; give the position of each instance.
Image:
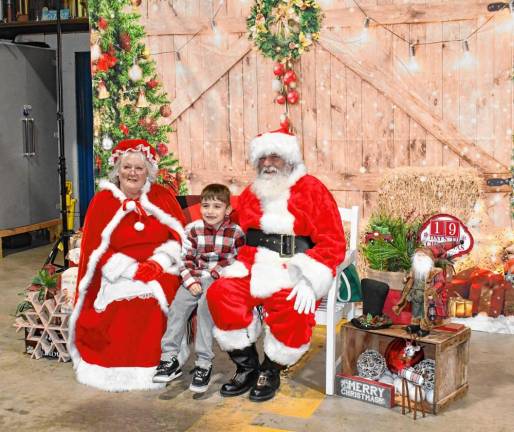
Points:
(293, 400)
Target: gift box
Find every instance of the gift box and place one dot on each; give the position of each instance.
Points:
(485, 280)
(508, 301)
(491, 300)
(459, 307)
(393, 297)
(460, 284)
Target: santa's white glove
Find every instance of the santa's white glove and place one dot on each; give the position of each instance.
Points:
(305, 301)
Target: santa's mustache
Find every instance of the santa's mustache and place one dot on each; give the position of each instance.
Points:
(269, 170)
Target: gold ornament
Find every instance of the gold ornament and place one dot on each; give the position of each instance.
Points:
(135, 3)
(146, 53)
(141, 100)
(103, 93)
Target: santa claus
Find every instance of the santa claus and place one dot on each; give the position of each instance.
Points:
(130, 253)
(294, 241)
(424, 289)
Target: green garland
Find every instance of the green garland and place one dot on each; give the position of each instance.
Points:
(284, 29)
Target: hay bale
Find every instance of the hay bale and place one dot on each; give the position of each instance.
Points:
(419, 192)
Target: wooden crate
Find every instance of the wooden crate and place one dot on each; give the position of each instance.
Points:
(449, 350)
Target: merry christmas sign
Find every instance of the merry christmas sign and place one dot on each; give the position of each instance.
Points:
(448, 232)
(366, 390)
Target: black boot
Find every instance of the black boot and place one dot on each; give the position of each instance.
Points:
(247, 372)
(268, 382)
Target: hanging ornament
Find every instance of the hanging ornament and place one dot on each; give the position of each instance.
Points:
(165, 110)
(146, 53)
(124, 129)
(135, 3)
(98, 165)
(141, 100)
(279, 69)
(135, 73)
(280, 99)
(289, 77)
(293, 85)
(276, 85)
(151, 127)
(96, 124)
(102, 23)
(107, 143)
(151, 84)
(103, 93)
(125, 41)
(96, 52)
(162, 149)
(292, 96)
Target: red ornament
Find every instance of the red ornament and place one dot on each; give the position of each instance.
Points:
(396, 357)
(111, 50)
(124, 129)
(280, 99)
(162, 149)
(289, 77)
(151, 127)
(165, 110)
(151, 84)
(278, 69)
(292, 96)
(125, 41)
(102, 23)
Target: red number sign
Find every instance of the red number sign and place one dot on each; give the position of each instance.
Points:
(448, 230)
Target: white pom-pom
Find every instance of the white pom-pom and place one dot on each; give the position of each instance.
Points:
(131, 205)
(139, 226)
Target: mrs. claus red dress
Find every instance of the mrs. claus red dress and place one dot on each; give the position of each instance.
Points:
(117, 324)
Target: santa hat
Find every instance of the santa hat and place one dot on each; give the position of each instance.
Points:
(439, 250)
(280, 142)
(134, 145)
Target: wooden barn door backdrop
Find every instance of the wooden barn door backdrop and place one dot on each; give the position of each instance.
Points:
(363, 108)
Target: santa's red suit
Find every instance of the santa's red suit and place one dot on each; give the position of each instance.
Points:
(298, 205)
(117, 324)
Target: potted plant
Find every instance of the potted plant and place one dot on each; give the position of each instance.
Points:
(388, 248)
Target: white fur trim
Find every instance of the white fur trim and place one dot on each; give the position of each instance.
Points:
(269, 274)
(159, 295)
(163, 217)
(284, 145)
(116, 379)
(235, 270)
(281, 353)
(168, 254)
(125, 289)
(116, 265)
(230, 340)
(319, 275)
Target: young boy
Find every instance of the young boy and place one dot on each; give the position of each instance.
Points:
(213, 244)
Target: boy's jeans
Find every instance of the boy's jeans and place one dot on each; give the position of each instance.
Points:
(178, 315)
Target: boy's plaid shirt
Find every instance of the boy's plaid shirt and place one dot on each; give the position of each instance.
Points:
(209, 249)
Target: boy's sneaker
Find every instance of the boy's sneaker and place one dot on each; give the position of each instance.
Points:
(167, 371)
(201, 379)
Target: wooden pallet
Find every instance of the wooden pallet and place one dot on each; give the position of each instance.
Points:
(53, 226)
(47, 326)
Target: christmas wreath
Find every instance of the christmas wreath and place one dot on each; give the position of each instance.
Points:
(284, 29)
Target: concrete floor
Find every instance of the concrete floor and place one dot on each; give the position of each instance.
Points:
(42, 395)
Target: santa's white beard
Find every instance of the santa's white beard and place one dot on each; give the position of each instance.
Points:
(421, 265)
(271, 182)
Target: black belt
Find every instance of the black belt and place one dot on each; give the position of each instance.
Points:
(286, 245)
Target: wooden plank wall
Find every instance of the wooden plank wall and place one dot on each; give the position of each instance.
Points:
(350, 132)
